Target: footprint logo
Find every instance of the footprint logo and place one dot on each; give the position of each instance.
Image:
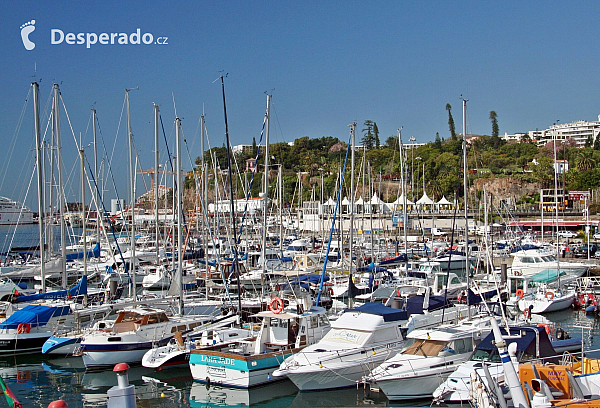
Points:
(26, 29)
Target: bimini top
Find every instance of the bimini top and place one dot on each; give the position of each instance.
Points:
(34, 315)
(525, 337)
(378, 309)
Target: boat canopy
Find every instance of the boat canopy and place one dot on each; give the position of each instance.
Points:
(525, 337)
(94, 253)
(77, 290)
(547, 276)
(378, 309)
(34, 315)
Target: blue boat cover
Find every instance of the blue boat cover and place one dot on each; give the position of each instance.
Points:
(379, 309)
(476, 299)
(94, 253)
(526, 342)
(77, 290)
(523, 248)
(35, 315)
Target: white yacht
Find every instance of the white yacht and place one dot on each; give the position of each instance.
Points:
(529, 262)
(11, 212)
(359, 340)
(135, 331)
(430, 356)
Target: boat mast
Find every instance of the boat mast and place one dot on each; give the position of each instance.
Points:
(95, 191)
(404, 196)
(82, 160)
(265, 197)
(61, 197)
(351, 239)
(204, 188)
(179, 214)
(556, 208)
(234, 247)
(156, 180)
(465, 187)
(40, 181)
(132, 287)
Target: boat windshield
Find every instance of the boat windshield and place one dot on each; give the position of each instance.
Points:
(492, 356)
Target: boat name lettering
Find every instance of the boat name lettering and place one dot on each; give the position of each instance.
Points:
(346, 336)
(218, 360)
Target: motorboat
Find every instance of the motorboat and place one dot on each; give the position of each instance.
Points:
(359, 339)
(135, 330)
(531, 343)
(428, 358)
(246, 363)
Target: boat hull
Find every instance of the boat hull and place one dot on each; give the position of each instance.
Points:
(413, 387)
(61, 346)
(235, 370)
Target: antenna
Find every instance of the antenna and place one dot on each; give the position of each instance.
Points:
(221, 76)
(174, 106)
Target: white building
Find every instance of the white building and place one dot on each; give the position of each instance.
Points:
(580, 131)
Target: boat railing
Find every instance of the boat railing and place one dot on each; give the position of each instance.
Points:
(588, 282)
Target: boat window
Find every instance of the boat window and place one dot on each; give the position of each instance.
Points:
(549, 258)
(537, 260)
(313, 322)
(455, 281)
(527, 259)
(130, 316)
(485, 355)
(279, 323)
(323, 320)
(426, 348)
(462, 346)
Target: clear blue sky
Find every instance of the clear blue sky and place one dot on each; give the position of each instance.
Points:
(328, 63)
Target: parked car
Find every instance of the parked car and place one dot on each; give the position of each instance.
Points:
(567, 234)
(581, 251)
(597, 235)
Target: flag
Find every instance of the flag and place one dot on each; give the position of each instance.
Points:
(11, 399)
(15, 291)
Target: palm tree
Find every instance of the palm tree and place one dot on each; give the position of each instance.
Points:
(585, 160)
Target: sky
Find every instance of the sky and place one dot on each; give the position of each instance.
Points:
(326, 63)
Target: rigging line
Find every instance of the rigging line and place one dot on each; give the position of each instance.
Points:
(333, 222)
(9, 155)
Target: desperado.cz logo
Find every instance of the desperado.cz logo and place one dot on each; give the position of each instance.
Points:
(58, 36)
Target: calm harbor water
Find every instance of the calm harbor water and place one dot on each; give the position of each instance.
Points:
(37, 380)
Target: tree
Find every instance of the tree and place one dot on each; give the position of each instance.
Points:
(494, 119)
(590, 141)
(254, 148)
(376, 134)
(585, 160)
(451, 122)
(597, 143)
(438, 141)
(368, 139)
(392, 142)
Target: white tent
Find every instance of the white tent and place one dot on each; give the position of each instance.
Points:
(377, 203)
(328, 206)
(424, 201)
(399, 203)
(345, 205)
(444, 204)
(360, 205)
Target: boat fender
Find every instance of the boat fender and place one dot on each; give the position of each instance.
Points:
(549, 295)
(520, 293)
(23, 328)
(276, 305)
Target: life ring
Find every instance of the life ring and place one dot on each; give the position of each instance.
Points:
(520, 293)
(23, 328)
(550, 295)
(330, 291)
(276, 305)
(546, 326)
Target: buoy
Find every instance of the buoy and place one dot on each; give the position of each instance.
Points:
(58, 404)
(276, 305)
(520, 293)
(550, 295)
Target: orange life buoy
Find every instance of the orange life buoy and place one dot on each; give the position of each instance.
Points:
(549, 295)
(23, 328)
(546, 326)
(276, 305)
(520, 293)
